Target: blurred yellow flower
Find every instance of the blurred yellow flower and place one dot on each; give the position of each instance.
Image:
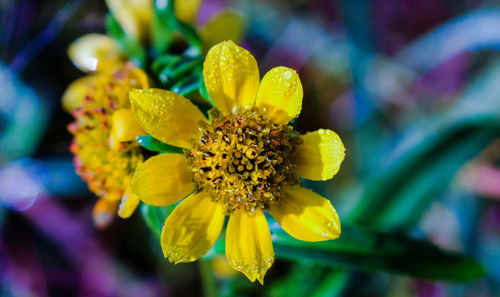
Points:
(242, 161)
(222, 268)
(104, 127)
(113, 77)
(186, 11)
(96, 52)
(134, 16)
(99, 52)
(226, 25)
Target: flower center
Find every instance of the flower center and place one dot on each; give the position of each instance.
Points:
(243, 160)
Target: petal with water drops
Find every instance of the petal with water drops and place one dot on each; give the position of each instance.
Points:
(249, 248)
(192, 228)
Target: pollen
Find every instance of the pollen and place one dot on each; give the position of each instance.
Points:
(243, 159)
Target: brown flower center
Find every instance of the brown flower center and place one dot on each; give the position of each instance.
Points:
(243, 160)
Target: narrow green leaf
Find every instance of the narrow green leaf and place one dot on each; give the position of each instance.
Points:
(370, 251)
(132, 47)
(396, 197)
(174, 73)
(152, 144)
(165, 27)
(191, 36)
(203, 90)
(165, 61)
(162, 32)
(187, 86)
(429, 179)
(186, 67)
(357, 249)
(373, 251)
(427, 154)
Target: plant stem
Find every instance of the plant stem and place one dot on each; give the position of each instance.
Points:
(207, 279)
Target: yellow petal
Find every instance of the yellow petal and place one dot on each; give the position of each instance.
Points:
(231, 76)
(96, 52)
(306, 215)
(134, 16)
(124, 127)
(128, 204)
(280, 93)
(192, 228)
(103, 212)
(249, 248)
(77, 91)
(226, 25)
(163, 180)
(136, 77)
(186, 11)
(167, 116)
(320, 155)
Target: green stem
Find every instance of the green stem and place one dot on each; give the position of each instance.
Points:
(207, 279)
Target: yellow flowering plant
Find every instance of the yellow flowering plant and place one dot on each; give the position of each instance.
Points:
(105, 129)
(243, 160)
(225, 25)
(229, 160)
(136, 27)
(180, 41)
(226, 158)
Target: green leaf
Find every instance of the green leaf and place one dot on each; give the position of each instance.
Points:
(155, 217)
(174, 73)
(187, 86)
(132, 47)
(373, 251)
(357, 249)
(396, 197)
(152, 144)
(203, 90)
(162, 31)
(165, 61)
(166, 27)
(370, 251)
(188, 66)
(173, 70)
(427, 154)
(191, 36)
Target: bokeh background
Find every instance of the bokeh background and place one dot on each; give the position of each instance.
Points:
(411, 86)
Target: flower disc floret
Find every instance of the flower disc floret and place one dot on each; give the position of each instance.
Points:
(243, 159)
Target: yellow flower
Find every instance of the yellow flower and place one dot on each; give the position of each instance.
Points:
(106, 157)
(223, 26)
(221, 268)
(99, 52)
(96, 52)
(134, 16)
(104, 127)
(242, 161)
